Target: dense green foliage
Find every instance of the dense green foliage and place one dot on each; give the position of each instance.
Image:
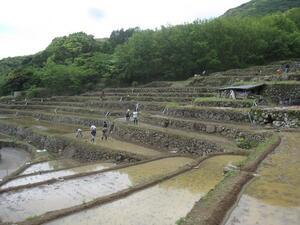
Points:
(78, 62)
(262, 7)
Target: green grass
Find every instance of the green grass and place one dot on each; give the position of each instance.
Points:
(180, 221)
(256, 152)
(172, 105)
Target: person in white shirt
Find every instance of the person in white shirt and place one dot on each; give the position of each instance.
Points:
(93, 133)
(79, 133)
(135, 117)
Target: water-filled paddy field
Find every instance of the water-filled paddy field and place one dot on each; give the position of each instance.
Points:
(163, 204)
(25, 203)
(273, 198)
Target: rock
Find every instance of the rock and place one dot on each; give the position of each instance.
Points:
(210, 129)
(277, 123)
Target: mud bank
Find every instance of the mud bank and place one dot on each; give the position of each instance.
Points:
(212, 209)
(147, 205)
(59, 174)
(274, 196)
(17, 206)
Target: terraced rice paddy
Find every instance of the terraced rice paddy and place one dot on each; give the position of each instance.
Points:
(19, 205)
(273, 198)
(174, 197)
(146, 174)
(35, 178)
(11, 160)
(50, 165)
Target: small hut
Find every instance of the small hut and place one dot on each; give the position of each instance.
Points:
(241, 91)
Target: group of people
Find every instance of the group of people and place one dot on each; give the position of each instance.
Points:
(106, 130)
(134, 116)
(284, 68)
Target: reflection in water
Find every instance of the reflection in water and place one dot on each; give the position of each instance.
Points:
(251, 211)
(56, 174)
(274, 197)
(11, 160)
(17, 206)
(161, 204)
(51, 165)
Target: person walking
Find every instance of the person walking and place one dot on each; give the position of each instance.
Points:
(79, 133)
(127, 115)
(93, 133)
(104, 131)
(135, 117)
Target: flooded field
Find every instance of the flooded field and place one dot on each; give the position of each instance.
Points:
(273, 198)
(56, 174)
(51, 165)
(12, 159)
(161, 204)
(20, 205)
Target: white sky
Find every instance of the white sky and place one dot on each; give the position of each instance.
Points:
(28, 26)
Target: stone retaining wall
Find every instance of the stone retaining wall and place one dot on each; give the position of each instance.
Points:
(211, 128)
(162, 90)
(209, 114)
(68, 146)
(225, 103)
(164, 140)
(284, 118)
(281, 92)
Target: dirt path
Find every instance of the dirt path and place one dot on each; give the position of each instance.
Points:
(273, 198)
(117, 145)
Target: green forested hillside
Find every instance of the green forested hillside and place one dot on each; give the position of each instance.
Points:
(79, 62)
(262, 7)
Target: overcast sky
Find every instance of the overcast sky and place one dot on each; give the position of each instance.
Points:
(28, 26)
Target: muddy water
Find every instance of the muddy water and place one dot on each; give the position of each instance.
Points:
(162, 204)
(51, 165)
(273, 198)
(56, 174)
(17, 206)
(12, 159)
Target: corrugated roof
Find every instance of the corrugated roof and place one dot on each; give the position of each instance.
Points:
(242, 87)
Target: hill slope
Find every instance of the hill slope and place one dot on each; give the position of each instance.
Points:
(262, 7)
